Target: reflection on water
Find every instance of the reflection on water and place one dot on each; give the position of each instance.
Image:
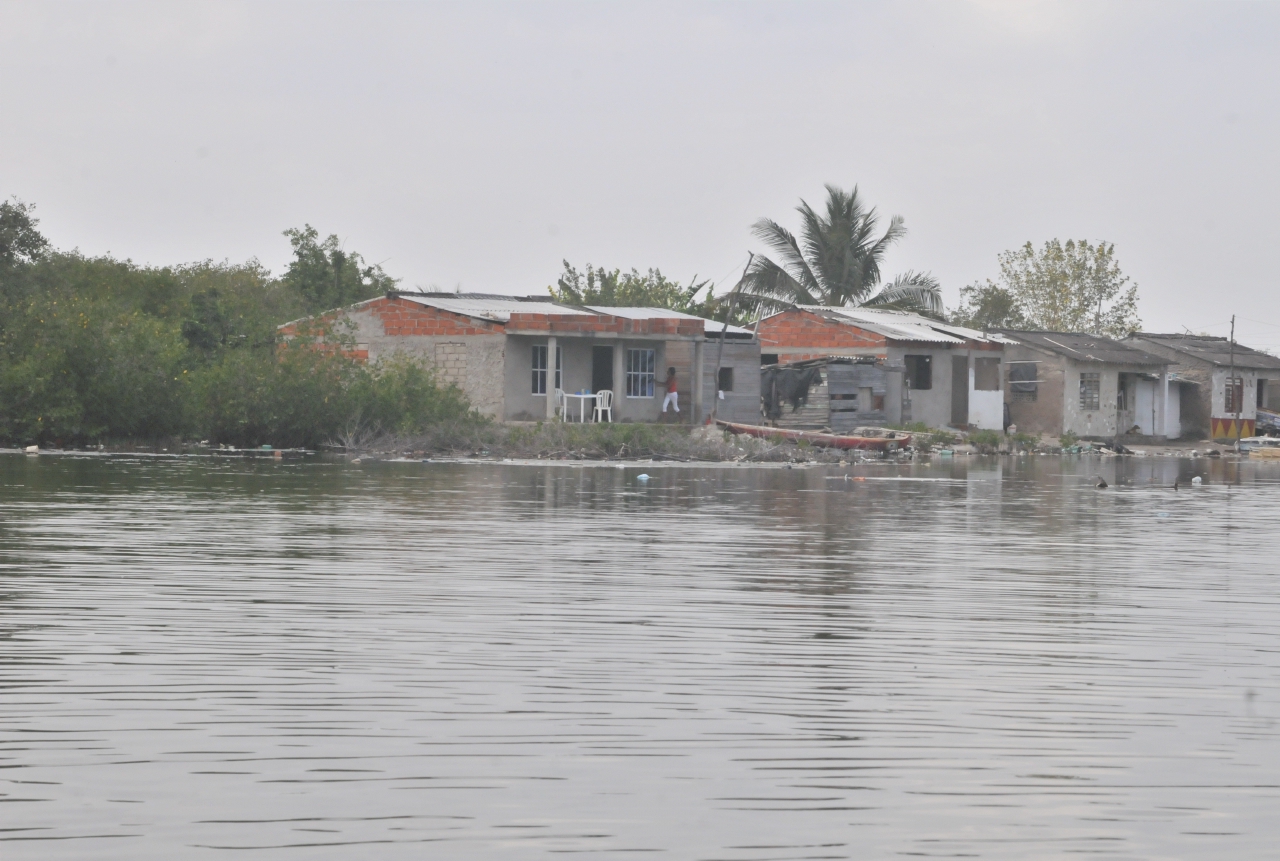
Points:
(984, 658)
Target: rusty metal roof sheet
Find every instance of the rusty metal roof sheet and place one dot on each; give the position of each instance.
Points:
(1086, 348)
(1216, 351)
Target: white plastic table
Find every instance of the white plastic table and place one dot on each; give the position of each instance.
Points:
(582, 404)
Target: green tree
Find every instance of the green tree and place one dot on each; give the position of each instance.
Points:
(987, 307)
(615, 288)
(326, 276)
(76, 368)
(95, 349)
(20, 241)
(835, 261)
(1063, 287)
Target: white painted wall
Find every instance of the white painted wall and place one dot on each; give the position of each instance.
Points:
(986, 408)
(1249, 409)
(1144, 406)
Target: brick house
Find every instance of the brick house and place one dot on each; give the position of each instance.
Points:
(952, 375)
(498, 350)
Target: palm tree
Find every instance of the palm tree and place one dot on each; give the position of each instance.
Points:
(835, 262)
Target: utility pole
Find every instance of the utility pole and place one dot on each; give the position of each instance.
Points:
(715, 398)
(1231, 382)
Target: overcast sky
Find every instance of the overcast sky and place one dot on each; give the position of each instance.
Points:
(480, 144)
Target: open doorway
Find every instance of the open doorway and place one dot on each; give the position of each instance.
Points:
(601, 369)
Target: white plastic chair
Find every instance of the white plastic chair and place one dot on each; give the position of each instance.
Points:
(560, 403)
(604, 404)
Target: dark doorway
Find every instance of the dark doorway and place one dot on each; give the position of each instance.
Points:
(959, 391)
(601, 368)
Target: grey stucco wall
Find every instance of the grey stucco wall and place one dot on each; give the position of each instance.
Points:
(743, 403)
(473, 362)
(576, 358)
(1057, 408)
(1100, 423)
(1086, 422)
(932, 405)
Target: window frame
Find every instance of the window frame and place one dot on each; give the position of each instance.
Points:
(1233, 395)
(1091, 394)
(920, 360)
(980, 362)
(1023, 391)
(725, 374)
(538, 366)
(640, 372)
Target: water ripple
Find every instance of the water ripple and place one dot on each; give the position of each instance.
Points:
(978, 658)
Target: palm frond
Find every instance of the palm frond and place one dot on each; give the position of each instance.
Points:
(784, 245)
(817, 234)
(910, 291)
(767, 287)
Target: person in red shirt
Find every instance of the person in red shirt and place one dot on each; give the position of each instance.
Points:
(672, 398)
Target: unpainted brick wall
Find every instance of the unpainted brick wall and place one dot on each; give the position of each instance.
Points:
(805, 329)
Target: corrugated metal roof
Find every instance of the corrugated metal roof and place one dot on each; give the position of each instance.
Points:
(488, 306)
(1086, 348)
(899, 326)
(905, 326)
(664, 314)
(972, 334)
(1216, 351)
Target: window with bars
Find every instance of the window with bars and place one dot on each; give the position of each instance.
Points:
(539, 364)
(1235, 395)
(640, 365)
(1023, 386)
(1090, 391)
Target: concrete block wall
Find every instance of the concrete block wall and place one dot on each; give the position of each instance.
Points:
(743, 403)
(462, 351)
(520, 404)
(1045, 413)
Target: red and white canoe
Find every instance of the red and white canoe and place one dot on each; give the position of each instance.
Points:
(825, 440)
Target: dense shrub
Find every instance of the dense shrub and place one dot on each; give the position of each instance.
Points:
(98, 349)
(985, 441)
(304, 396)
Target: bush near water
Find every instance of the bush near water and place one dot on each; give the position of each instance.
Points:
(96, 350)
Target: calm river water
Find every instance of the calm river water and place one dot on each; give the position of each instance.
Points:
(983, 658)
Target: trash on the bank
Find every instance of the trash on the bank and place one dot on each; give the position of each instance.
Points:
(642, 477)
(1197, 481)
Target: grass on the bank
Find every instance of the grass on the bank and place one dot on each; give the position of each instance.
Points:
(601, 441)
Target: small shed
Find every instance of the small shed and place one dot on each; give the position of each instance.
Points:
(838, 393)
